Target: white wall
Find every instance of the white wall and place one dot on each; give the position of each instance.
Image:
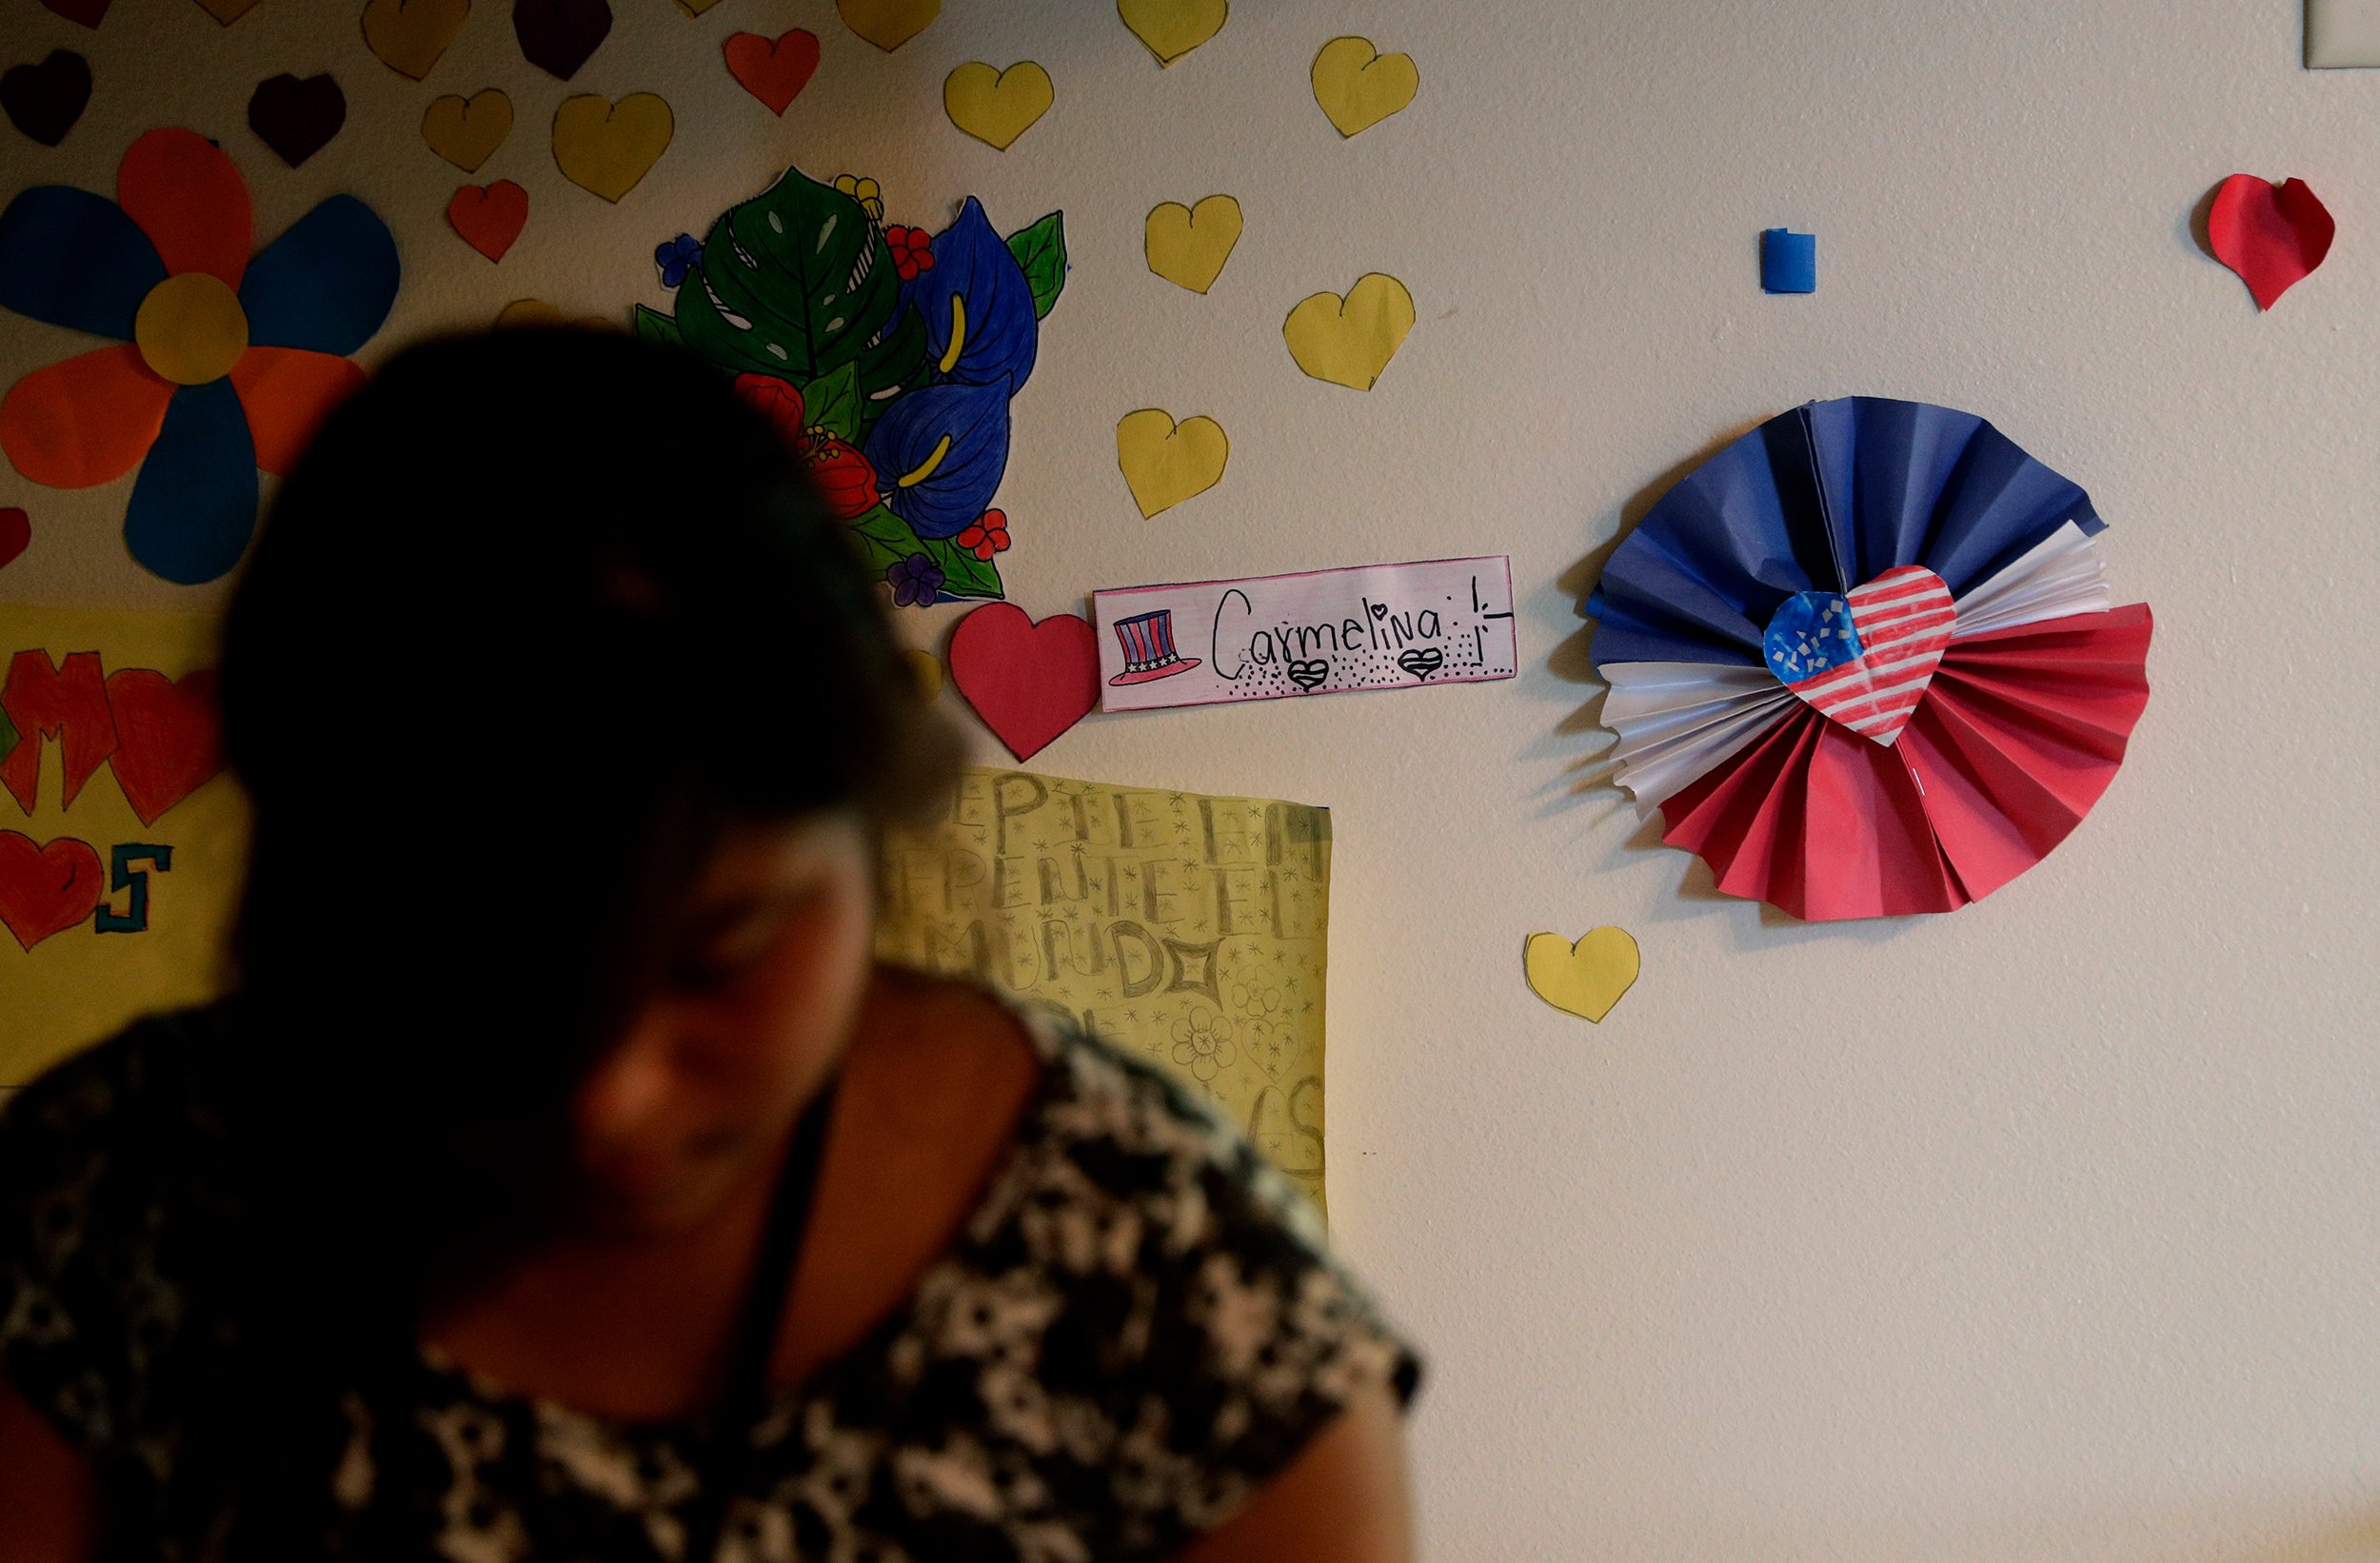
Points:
(2043, 1231)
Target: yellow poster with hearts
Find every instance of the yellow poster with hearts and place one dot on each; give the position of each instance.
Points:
(121, 841)
(1185, 928)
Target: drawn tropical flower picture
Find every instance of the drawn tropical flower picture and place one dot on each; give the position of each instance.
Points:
(889, 358)
(225, 362)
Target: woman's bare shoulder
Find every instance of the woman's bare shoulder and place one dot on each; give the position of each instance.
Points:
(938, 1074)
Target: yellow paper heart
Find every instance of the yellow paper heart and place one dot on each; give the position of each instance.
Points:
(1358, 87)
(1585, 978)
(228, 11)
(607, 146)
(1187, 245)
(887, 24)
(1349, 340)
(466, 131)
(408, 35)
(927, 670)
(1173, 27)
(997, 107)
(1166, 463)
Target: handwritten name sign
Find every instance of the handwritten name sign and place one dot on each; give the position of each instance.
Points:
(1376, 626)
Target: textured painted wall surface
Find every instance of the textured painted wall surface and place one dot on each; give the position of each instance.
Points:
(2045, 1230)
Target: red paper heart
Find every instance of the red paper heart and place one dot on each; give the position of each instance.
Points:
(16, 534)
(168, 737)
(1029, 681)
(489, 217)
(773, 72)
(86, 12)
(2272, 235)
(45, 890)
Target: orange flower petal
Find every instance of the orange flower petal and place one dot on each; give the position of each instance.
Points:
(189, 198)
(286, 392)
(87, 421)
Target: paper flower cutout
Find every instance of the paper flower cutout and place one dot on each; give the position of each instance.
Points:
(226, 363)
(1864, 661)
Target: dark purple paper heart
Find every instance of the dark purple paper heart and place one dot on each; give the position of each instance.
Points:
(44, 100)
(297, 118)
(558, 35)
(89, 12)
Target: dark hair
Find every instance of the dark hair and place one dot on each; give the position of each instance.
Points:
(537, 617)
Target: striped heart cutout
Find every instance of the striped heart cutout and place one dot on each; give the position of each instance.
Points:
(1864, 658)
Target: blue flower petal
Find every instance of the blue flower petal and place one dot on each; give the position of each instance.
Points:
(70, 258)
(993, 325)
(194, 504)
(957, 437)
(326, 284)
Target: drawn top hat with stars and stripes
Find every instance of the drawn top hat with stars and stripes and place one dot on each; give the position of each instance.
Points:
(1149, 654)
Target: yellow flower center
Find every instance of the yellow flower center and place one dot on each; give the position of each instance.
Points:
(191, 328)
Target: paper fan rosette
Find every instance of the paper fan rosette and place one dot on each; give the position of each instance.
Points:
(1865, 661)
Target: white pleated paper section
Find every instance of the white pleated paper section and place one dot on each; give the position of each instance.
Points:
(1675, 720)
(1678, 720)
(2059, 577)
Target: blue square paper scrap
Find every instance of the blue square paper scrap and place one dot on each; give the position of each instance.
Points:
(1789, 261)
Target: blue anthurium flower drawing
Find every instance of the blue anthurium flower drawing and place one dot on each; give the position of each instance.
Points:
(977, 305)
(938, 455)
(905, 347)
(678, 257)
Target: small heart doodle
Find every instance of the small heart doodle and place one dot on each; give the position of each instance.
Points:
(1379, 610)
(1422, 660)
(47, 888)
(1309, 676)
(169, 737)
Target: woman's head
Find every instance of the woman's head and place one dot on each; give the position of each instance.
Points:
(569, 718)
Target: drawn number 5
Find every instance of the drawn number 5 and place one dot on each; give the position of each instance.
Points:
(123, 875)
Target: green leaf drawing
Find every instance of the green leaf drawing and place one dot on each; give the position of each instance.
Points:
(1042, 251)
(655, 326)
(963, 574)
(8, 734)
(832, 402)
(798, 283)
(883, 539)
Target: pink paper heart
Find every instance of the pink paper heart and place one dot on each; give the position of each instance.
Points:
(1865, 658)
(2272, 235)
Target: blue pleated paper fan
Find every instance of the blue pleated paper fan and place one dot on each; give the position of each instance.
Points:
(1822, 498)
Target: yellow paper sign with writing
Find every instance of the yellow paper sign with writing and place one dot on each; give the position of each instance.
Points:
(121, 842)
(1185, 928)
